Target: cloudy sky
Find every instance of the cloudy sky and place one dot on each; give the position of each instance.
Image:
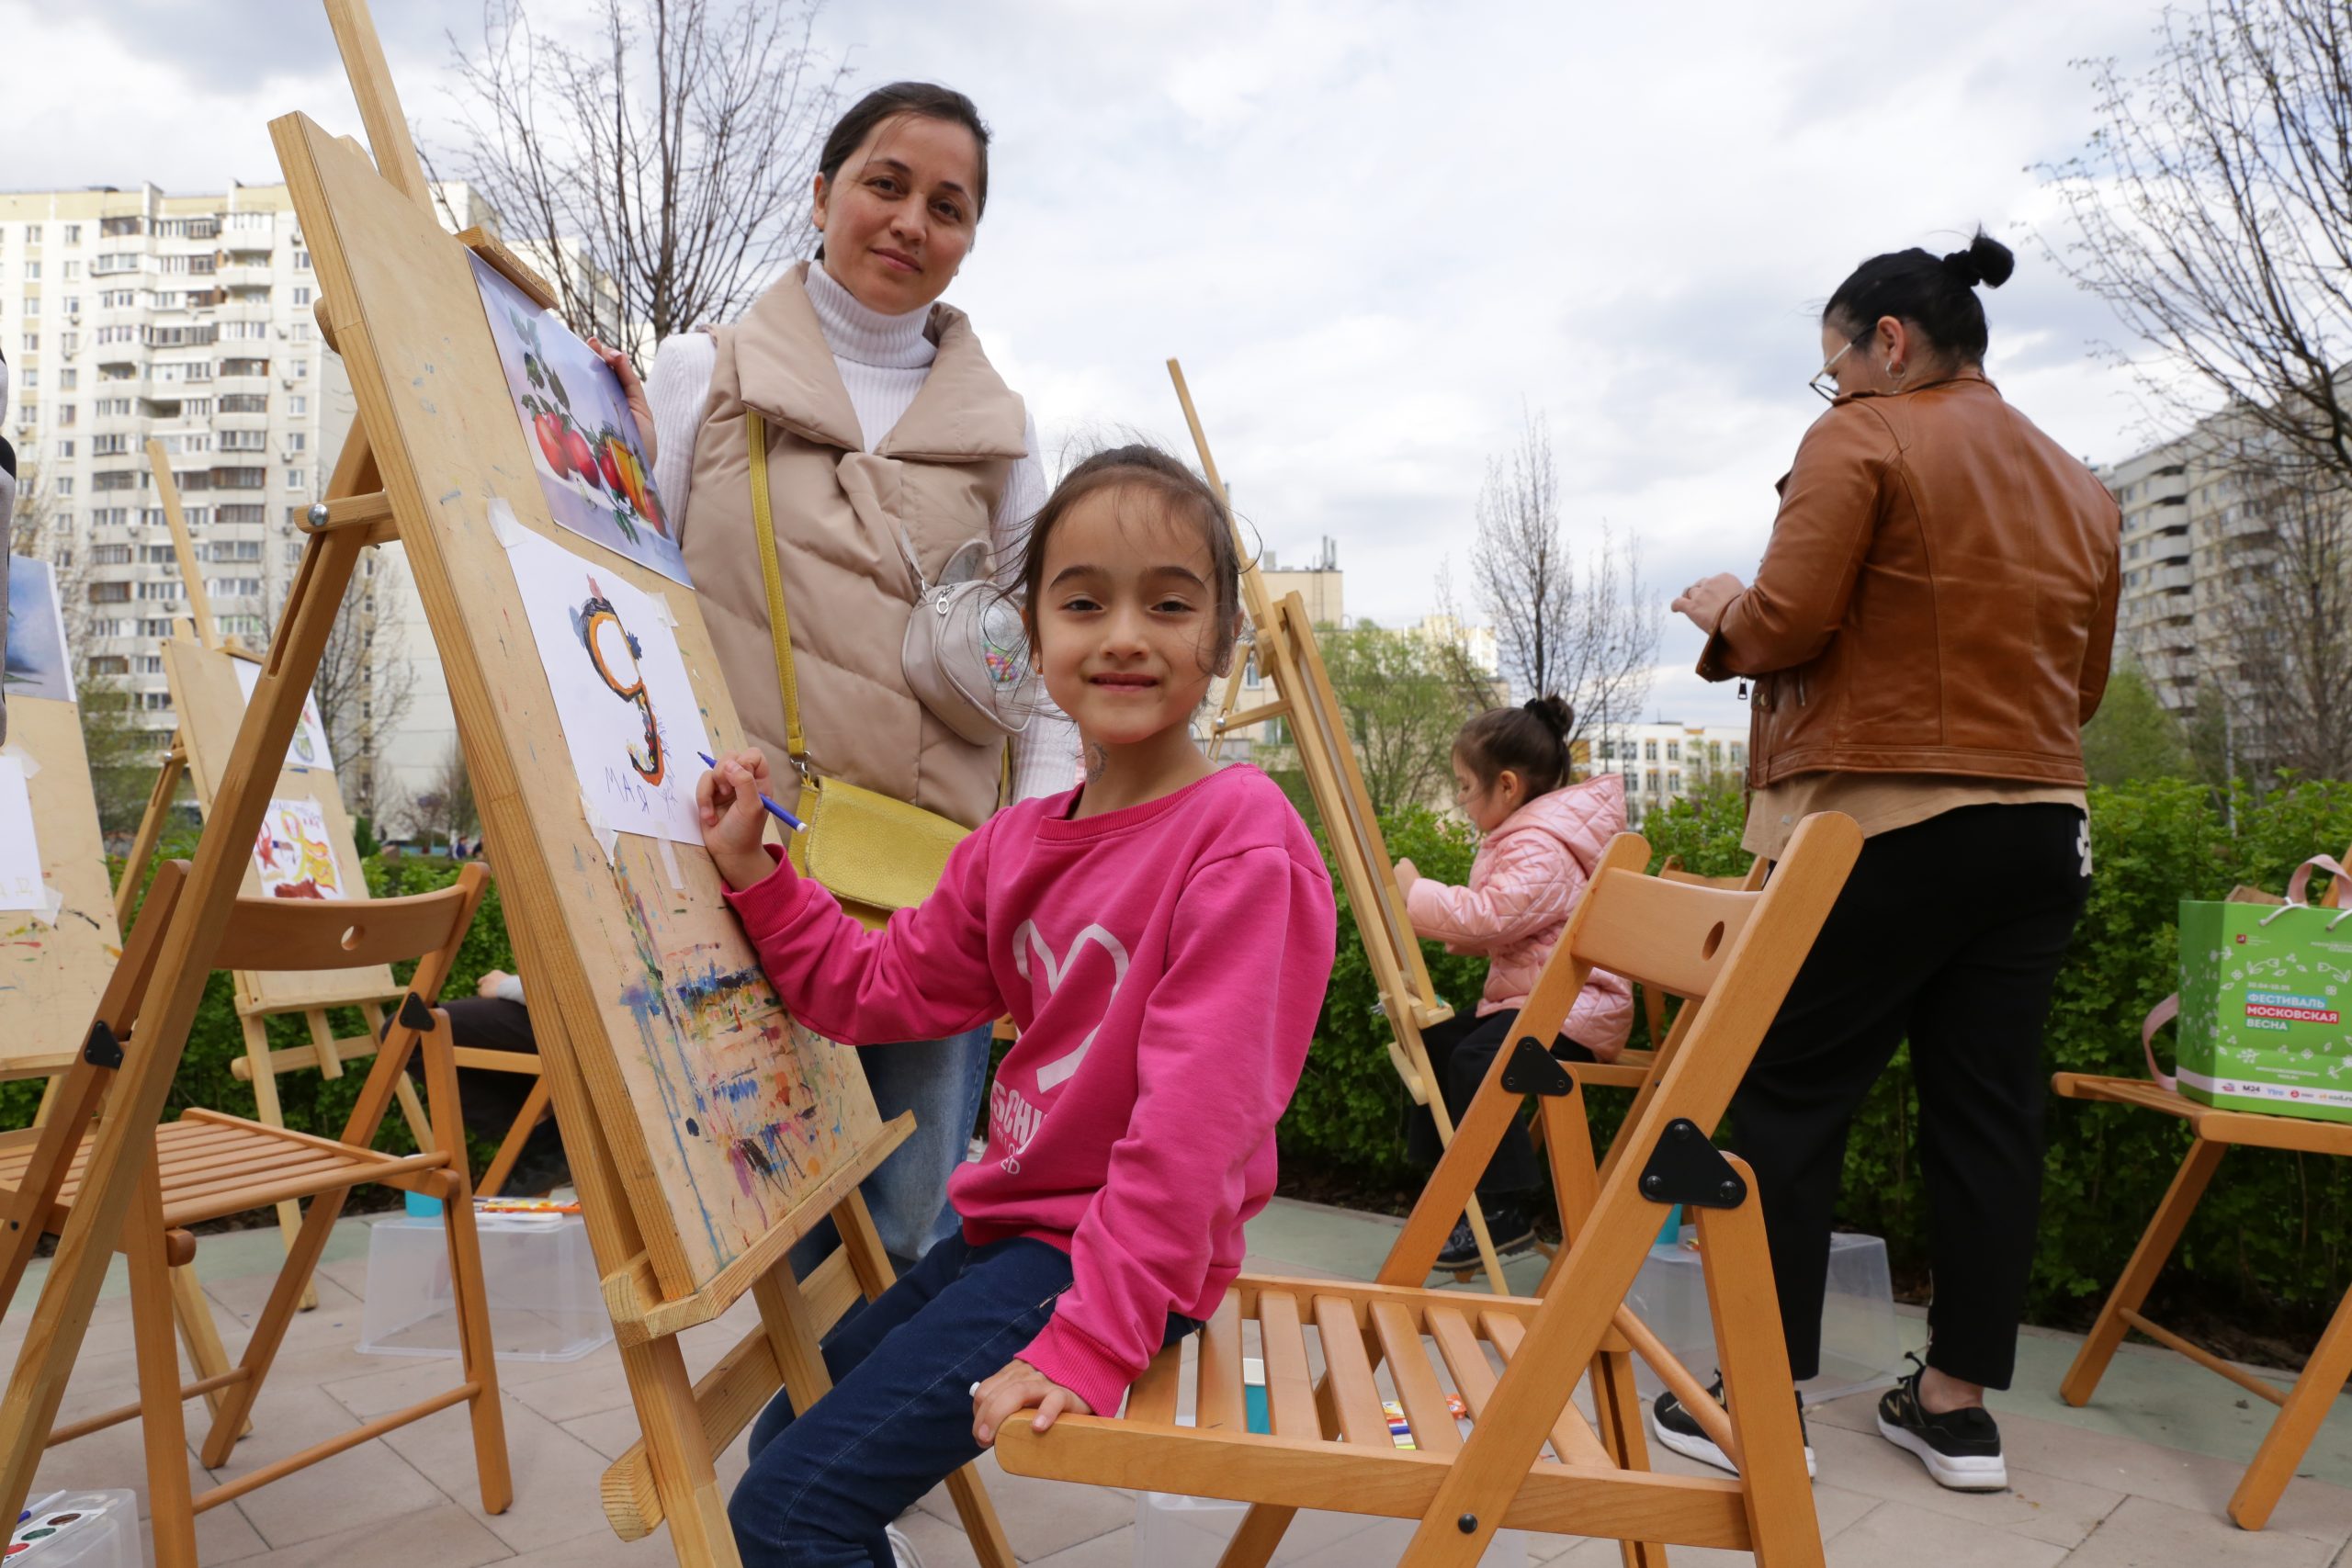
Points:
(1373, 232)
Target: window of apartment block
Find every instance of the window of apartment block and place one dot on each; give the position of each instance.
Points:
(69, 342)
(1674, 751)
(297, 479)
(107, 664)
(157, 555)
(109, 446)
(156, 702)
(73, 270)
(150, 664)
(155, 628)
(237, 587)
(109, 592)
(302, 296)
(1653, 776)
(196, 407)
(32, 270)
(62, 484)
(32, 233)
(301, 261)
(1649, 753)
(237, 514)
(1674, 781)
(68, 378)
(297, 404)
(119, 478)
(297, 442)
(109, 555)
(244, 441)
(164, 591)
(32, 343)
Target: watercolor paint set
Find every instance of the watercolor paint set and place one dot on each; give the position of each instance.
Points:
(76, 1529)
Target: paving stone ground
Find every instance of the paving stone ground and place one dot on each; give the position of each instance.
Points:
(2140, 1479)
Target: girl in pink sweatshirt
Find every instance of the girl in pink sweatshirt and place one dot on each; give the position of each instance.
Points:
(1162, 936)
(1544, 834)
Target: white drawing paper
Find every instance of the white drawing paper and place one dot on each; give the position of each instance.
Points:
(34, 663)
(295, 854)
(20, 881)
(629, 711)
(309, 747)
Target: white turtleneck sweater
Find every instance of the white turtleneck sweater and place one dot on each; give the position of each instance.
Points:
(883, 362)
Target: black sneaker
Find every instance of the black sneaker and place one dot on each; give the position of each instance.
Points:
(1512, 1231)
(1961, 1448)
(1677, 1430)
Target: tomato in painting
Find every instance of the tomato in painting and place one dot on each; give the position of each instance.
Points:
(550, 433)
(575, 448)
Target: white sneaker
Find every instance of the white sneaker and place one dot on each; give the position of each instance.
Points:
(902, 1551)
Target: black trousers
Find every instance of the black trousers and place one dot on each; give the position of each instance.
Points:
(1461, 1050)
(492, 1100)
(1948, 933)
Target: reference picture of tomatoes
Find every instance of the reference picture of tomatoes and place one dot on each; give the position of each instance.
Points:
(576, 450)
(550, 430)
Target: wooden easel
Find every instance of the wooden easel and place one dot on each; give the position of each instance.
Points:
(67, 962)
(1281, 640)
(437, 440)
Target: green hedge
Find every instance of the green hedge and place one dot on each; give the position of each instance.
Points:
(2269, 1244)
(2269, 1241)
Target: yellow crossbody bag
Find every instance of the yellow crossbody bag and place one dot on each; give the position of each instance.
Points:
(874, 854)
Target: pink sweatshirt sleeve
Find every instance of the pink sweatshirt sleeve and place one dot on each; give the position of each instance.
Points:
(1224, 1038)
(1532, 879)
(922, 976)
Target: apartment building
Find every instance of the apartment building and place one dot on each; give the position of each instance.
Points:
(2165, 492)
(1321, 586)
(127, 313)
(1664, 761)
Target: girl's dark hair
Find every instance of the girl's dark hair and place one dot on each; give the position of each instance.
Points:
(1184, 494)
(928, 100)
(1530, 741)
(1936, 294)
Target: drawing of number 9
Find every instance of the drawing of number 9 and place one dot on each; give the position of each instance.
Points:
(589, 622)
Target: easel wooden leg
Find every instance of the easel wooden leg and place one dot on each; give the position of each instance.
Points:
(201, 1334)
(151, 830)
(268, 1110)
(2290, 1435)
(1760, 1397)
(161, 1422)
(2140, 1275)
(700, 1533)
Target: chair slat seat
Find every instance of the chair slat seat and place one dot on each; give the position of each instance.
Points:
(211, 1164)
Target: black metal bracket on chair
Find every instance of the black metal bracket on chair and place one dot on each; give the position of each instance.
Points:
(1686, 1169)
(1533, 1070)
(415, 1015)
(102, 1049)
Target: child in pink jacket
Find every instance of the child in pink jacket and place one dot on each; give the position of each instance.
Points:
(1544, 835)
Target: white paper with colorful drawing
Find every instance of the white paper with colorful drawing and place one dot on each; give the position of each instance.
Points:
(309, 747)
(629, 711)
(583, 439)
(21, 886)
(294, 853)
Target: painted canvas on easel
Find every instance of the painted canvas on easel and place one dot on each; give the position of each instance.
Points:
(36, 664)
(583, 439)
(294, 852)
(21, 888)
(309, 748)
(753, 1106)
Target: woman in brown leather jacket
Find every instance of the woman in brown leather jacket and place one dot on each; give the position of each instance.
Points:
(1927, 634)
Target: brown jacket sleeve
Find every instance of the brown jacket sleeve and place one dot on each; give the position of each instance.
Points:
(2100, 651)
(1829, 508)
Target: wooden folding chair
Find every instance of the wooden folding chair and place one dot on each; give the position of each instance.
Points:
(2213, 1133)
(207, 1165)
(1735, 954)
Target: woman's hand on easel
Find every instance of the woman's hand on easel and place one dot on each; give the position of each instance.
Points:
(1019, 1387)
(733, 820)
(639, 408)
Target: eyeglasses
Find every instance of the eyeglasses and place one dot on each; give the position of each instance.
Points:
(1822, 382)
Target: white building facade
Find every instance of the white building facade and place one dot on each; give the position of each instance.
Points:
(1666, 761)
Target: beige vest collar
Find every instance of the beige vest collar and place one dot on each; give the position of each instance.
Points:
(965, 412)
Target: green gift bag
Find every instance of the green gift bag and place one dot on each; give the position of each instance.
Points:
(2263, 989)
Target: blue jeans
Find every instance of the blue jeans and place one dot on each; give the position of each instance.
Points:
(898, 1422)
(941, 1081)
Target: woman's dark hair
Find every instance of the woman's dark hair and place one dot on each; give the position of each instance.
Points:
(1147, 471)
(927, 99)
(1936, 294)
(1530, 741)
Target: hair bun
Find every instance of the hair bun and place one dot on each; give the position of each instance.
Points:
(1556, 713)
(1986, 261)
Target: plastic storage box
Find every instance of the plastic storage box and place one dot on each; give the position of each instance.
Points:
(1861, 1344)
(1172, 1531)
(545, 1304)
(76, 1529)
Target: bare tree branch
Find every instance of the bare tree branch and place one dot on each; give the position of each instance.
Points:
(1587, 633)
(670, 147)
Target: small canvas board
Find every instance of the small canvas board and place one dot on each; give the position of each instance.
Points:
(576, 425)
(295, 854)
(35, 664)
(21, 888)
(309, 748)
(629, 711)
